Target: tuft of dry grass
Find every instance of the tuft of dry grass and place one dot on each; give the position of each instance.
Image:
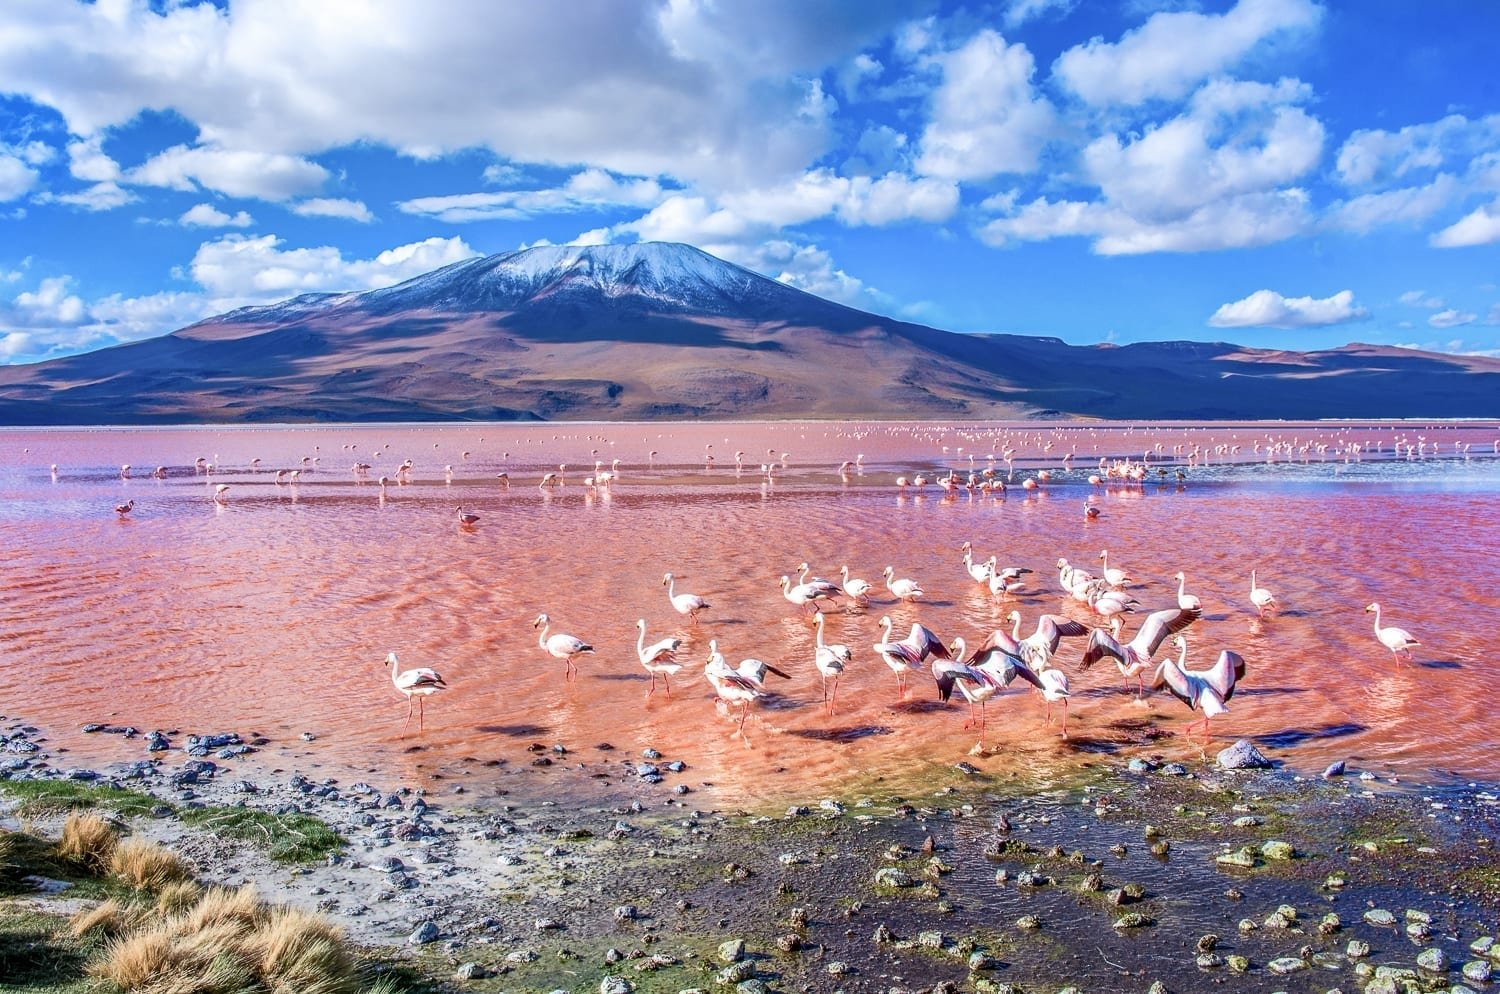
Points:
(178, 897)
(146, 865)
(110, 918)
(227, 942)
(302, 952)
(88, 840)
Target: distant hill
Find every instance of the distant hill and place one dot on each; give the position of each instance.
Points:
(658, 330)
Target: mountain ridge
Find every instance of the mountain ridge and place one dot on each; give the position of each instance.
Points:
(662, 330)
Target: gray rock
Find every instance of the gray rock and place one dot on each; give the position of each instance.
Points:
(614, 985)
(1478, 970)
(752, 986)
(1242, 756)
(1286, 965)
(1243, 858)
(837, 968)
(1140, 766)
(425, 933)
(627, 913)
(1357, 949)
(1174, 770)
(732, 951)
(1334, 770)
(471, 971)
(893, 876)
(1277, 850)
(735, 973)
(1433, 959)
(1381, 917)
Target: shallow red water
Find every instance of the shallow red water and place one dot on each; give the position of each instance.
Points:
(273, 612)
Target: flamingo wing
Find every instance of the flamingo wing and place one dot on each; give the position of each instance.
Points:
(1160, 624)
(1052, 628)
(1226, 671)
(1101, 644)
(1176, 681)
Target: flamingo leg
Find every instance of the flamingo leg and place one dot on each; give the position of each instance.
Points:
(666, 682)
(421, 715)
(834, 696)
(653, 687)
(409, 705)
(1065, 718)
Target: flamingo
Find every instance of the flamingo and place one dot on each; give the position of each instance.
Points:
(125, 508)
(980, 676)
(910, 652)
(688, 604)
(1116, 577)
(1201, 690)
(804, 594)
(1261, 597)
(737, 685)
(855, 588)
(564, 647)
(827, 586)
(1185, 600)
(830, 661)
(1005, 580)
(1036, 649)
(1398, 640)
(904, 589)
(467, 519)
(1106, 601)
(658, 657)
(1055, 690)
(980, 572)
(221, 492)
(419, 683)
(1134, 658)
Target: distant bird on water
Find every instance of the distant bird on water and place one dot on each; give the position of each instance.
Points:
(418, 683)
(1398, 640)
(658, 657)
(903, 588)
(688, 604)
(563, 647)
(830, 661)
(221, 493)
(1261, 597)
(467, 518)
(125, 508)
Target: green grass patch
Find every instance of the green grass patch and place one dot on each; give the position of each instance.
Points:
(48, 796)
(289, 838)
(38, 955)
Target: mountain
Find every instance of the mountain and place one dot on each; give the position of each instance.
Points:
(658, 330)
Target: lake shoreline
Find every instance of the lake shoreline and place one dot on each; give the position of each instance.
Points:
(1113, 872)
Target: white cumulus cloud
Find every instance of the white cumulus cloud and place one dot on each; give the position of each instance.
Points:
(236, 172)
(236, 269)
(1452, 318)
(987, 117)
(1481, 227)
(209, 216)
(16, 178)
(349, 210)
(1269, 309)
(1176, 50)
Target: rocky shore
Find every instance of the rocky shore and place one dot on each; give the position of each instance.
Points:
(1129, 875)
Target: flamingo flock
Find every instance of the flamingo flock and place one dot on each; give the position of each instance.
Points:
(1111, 596)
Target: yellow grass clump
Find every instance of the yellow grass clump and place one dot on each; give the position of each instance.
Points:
(88, 840)
(177, 897)
(228, 942)
(112, 918)
(146, 865)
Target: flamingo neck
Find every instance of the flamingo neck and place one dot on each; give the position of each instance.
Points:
(1181, 587)
(886, 624)
(541, 640)
(1182, 657)
(1377, 619)
(802, 576)
(1015, 629)
(640, 641)
(671, 587)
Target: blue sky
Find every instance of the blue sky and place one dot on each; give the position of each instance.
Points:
(1279, 173)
